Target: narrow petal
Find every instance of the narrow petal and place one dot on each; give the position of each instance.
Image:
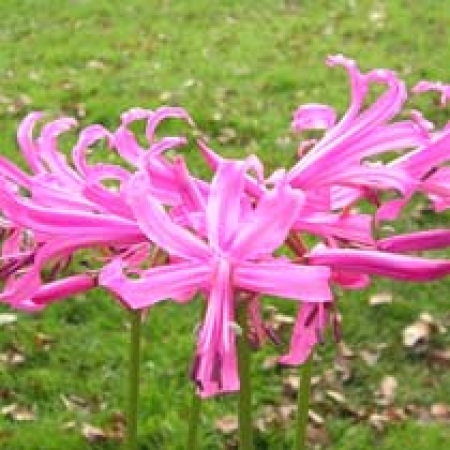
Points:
(372, 262)
(419, 241)
(313, 116)
(305, 334)
(159, 226)
(172, 281)
(284, 279)
(215, 370)
(27, 143)
(268, 225)
(163, 113)
(62, 289)
(223, 212)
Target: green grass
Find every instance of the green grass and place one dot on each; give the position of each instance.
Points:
(240, 65)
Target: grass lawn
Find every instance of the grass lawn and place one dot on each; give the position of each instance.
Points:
(240, 67)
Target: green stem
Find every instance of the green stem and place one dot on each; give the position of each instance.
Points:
(245, 392)
(194, 419)
(303, 403)
(133, 378)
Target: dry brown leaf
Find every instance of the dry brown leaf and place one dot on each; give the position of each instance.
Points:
(96, 65)
(388, 389)
(417, 334)
(43, 341)
(345, 351)
(291, 384)
(440, 411)
(7, 319)
(75, 403)
(227, 424)
(440, 357)
(369, 356)
(12, 357)
(317, 436)
(377, 421)
(381, 298)
(316, 418)
(18, 413)
(93, 433)
(286, 412)
(270, 362)
(336, 396)
(343, 370)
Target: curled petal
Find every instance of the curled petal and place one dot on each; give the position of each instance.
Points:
(166, 112)
(443, 89)
(313, 116)
(89, 136)
(26, 142)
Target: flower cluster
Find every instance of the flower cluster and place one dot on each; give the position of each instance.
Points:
(157, 232)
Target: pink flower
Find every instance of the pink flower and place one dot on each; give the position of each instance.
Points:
(236, 256)
(65, 206)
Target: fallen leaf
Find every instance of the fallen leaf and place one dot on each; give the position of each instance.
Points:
(93, 433)
(270, 362)
(370, 357)
(7, 319)
(440, 357)
(344, 350)
(18, 413)
(315, 417)
(43, 341)
(381, 298)
(227, 424)
(377, 421)
(417, 334)
(387, 390)
(336, 396)
(12, 357)
(96, 65)
(317, 436)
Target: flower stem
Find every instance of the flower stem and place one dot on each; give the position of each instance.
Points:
(245, 392)
(133, 378)
(194, 419)
(303, 403)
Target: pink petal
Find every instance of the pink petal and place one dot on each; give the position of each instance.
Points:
(419, 241)
(372, 262)
(313, 116)
(26, 142)
(160, 228)
(223, 212)
(284, 279)
(304, 336)
(268, 225)
(215, 368)
(172, 281)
